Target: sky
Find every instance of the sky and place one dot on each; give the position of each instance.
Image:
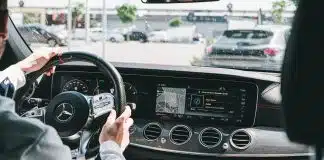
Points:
(218, 5)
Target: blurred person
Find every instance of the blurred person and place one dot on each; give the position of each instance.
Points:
(27, 138)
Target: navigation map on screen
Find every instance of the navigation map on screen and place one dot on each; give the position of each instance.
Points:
(170, 100)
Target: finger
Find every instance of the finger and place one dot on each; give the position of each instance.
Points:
(53, 69)
(59, 51)
(120, 130)
(56, 50)
(111, 118)
(129, 123)
(127, 113)
(120, 121)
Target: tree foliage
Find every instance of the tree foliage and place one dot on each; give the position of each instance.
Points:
(278, 8)
(176, 22)
(127, 13)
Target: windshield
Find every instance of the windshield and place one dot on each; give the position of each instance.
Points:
(249, 34)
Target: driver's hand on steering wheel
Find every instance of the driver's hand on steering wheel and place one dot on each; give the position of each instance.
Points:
(117, 129)
(38, 59)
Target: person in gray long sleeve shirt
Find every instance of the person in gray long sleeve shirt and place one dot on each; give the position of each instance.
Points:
(30, 139)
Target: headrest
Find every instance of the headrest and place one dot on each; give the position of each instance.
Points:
(302, 79)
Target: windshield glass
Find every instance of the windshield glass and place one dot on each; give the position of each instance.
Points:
(249, 34)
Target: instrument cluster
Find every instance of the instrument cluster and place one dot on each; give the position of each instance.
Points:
(91, 84)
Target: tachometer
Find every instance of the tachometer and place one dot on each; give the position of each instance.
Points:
(75, 85)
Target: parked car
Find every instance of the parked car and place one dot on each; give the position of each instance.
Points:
(112, 36)
(262, 45)
(136, 36)
(36, 33)
(158, 36)
(183, 34)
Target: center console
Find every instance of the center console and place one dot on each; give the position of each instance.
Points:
(192, 116)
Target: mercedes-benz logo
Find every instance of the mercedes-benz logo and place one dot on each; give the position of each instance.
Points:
(64, 112)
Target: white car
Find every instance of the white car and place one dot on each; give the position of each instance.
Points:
(158, 36)
(115, 37)
(96, 35)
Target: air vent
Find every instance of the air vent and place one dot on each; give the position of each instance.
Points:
(180, 134)
(152, 131)
(240, 139)
(210, 137)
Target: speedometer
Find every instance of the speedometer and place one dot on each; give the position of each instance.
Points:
(75, 85)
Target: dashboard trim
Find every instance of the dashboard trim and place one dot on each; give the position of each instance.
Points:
(265, 76)
(221, 155)
(184, 77)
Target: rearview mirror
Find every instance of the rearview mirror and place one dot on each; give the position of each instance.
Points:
(175, 1)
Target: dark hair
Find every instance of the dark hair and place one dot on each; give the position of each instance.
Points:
(3, 4)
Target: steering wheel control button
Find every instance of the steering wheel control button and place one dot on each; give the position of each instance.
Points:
(64, 112)
(102, 103)
(38, 113)
(68, 112)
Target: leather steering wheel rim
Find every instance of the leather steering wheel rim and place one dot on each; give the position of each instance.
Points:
(105, 67)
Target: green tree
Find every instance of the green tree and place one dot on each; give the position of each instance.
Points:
(31, 18)
(278, 8)
(127, 14)
(176, 22)
(77, 11)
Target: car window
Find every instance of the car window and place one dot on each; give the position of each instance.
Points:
(249, 36)
(280, 38)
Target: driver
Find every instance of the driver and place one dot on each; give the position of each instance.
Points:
(26, 138)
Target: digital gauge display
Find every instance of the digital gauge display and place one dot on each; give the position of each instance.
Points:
(75, 85)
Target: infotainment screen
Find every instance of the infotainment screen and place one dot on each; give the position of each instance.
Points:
(227, 104)
(171, 100)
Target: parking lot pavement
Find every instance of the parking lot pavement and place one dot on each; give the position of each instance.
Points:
(156, 53)
(159, 53)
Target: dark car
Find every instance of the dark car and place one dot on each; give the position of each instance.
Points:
(34, 33)
(136, 36)
(261, 46)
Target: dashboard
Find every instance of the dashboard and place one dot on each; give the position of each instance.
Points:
(189, 110)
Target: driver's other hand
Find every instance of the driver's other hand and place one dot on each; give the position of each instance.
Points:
(117, 129)
(38, 59)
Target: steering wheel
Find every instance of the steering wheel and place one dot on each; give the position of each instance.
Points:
(72, 112)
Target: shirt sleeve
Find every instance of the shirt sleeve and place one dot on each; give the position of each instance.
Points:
(15, 75)
(110, 150)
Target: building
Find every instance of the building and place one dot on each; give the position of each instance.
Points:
(204, 15)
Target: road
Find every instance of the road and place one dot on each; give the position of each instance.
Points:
(156, 53)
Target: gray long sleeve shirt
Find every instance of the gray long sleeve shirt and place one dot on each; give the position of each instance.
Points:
(30, 139)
